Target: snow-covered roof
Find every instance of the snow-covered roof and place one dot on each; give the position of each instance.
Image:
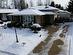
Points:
(64, 14)
(62, 11)
(49, 13)
(43, 8)
(28, 12)
(37, 25)
(8, 10)
(36, 11)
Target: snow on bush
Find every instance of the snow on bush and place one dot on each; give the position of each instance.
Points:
(35, 28)
(36, 25)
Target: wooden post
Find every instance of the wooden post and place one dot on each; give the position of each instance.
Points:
(16, 36)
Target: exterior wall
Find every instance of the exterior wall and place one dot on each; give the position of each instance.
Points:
(16, 18)
(49, 19)
(64, 15)
(38, 20)
(28, 20)
(45, 20)
(0, 16)
(52, 19)
(42, 20)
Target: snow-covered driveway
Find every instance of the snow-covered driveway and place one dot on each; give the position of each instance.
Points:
(69, 38)
(70, 35)
(8, 45)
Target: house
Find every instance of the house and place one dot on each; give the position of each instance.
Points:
(50, 14)
(27, 16)
(4, 12)
(40, 14)
(63, 16)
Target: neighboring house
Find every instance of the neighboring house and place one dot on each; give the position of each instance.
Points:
(4, 12)
(63, 16)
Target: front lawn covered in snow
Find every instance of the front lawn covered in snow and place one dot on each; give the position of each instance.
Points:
(27, 40)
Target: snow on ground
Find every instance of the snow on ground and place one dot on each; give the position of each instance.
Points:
(68, 46)
(70, 35)
(8, 45)
(49, 44)
(27, 41)
(65, 47)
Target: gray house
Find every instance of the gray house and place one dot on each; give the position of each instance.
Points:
(39, 14)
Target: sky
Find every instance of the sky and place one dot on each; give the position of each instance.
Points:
(64, 3)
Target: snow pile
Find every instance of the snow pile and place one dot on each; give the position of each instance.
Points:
(36, 25)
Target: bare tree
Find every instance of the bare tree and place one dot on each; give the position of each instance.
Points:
(39, 2)
(31, 3)
(52, 4)
(16, 4)
(20, 4)
(3, 3)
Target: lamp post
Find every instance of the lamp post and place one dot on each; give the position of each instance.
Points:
(16, 36)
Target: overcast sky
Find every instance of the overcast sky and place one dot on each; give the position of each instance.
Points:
(64, 3)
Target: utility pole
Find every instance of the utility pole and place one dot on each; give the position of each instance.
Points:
(16, 36)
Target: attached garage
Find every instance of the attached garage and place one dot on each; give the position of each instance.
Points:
(46, 19)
